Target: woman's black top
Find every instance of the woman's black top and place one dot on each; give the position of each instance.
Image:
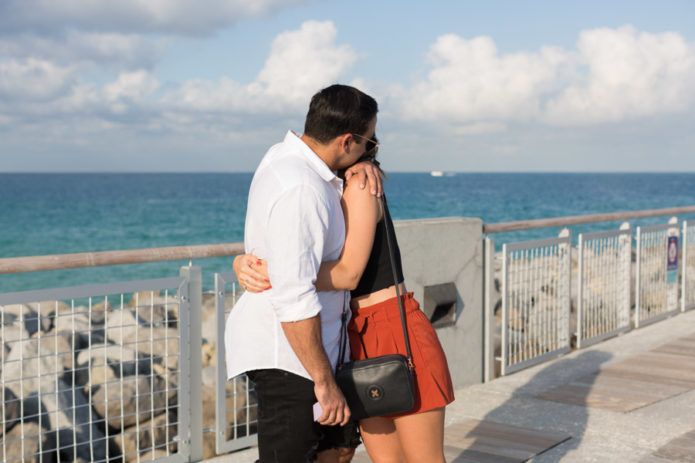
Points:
(378, 274)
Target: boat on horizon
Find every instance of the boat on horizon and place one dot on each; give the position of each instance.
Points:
(436, 173)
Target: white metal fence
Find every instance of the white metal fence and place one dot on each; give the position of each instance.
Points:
(656, 285)
(688, 268)
(96, 373)
(536, 295)
(236, 404)
(604, 278)
(535, 301)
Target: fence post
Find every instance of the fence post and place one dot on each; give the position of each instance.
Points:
(194, 343)
(672, 291)
(625, 269)
(638, 277)
(565, 288)
(684, 267)
(489, 324)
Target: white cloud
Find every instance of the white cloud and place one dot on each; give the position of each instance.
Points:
(478, 128)
(472, 82)
(300, 63)
(107, 50)
(614, 75)
(168, 16)
(630, 75)
(131, 86)
(305, 60)
(33, 79)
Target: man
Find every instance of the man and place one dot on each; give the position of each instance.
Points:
(286, 339)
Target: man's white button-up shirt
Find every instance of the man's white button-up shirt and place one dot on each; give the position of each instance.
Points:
(295, 222)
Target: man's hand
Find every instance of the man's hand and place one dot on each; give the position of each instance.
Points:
(367, 173)
(252, 273)
(333, 404)
(305, 338)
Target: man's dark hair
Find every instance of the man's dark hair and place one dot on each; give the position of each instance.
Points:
(337, 110)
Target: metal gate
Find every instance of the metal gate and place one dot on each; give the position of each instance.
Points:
(535, 301)
(656, 285)
(236, 405)
(603, 295)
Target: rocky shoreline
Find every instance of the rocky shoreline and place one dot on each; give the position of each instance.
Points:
(95, 385)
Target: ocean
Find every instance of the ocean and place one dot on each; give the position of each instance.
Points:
(65, 213)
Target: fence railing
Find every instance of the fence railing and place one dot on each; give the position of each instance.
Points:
(535, 281)
(535, 301)
(656, 291)
(135, 371)
(688, 267)
(235, 403)
(84, 379)
(603, 295)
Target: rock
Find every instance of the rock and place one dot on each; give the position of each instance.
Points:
(154, 308)
(209, 376)
(70, 320)
(21, 314)
(153, 434)
(112, 355)
(28, 362)
(122, 323)
(11, 408)
(12, 334)
(141, 396)
(162, 343)
(209, 352)
(24, 439)
(67, 410)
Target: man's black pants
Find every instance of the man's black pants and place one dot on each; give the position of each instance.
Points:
(287, 432)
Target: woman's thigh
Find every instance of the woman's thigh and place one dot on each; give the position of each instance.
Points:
(422, 436)
(381, 440)
(412, 438)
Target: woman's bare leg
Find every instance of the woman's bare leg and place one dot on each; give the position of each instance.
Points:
(413, 438)
(422, 436)
(381, 440)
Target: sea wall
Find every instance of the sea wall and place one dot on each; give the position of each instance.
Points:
(443, 262)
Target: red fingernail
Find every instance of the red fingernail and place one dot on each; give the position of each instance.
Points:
(270, 287)
(267, 280)
(258, 262)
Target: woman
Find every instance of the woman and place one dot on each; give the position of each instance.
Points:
(375, 329)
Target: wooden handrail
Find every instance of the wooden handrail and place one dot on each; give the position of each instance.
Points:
(578, 219)
(131, 256)
(139, 256)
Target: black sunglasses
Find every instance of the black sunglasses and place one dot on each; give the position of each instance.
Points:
(372, 145)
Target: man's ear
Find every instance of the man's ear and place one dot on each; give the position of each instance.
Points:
(345, 141)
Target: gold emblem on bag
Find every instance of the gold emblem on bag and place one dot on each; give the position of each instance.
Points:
(375, 392)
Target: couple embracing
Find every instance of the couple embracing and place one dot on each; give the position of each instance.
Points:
(314, 236)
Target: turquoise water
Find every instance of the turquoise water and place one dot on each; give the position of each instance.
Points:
(64, 213)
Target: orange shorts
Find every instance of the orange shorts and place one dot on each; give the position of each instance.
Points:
(376, 330)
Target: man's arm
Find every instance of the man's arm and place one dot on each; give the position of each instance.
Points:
(305, 338)
(298, 225)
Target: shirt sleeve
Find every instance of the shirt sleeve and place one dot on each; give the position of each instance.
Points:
(297, 228)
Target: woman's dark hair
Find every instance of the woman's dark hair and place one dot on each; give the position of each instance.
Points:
(337, 110)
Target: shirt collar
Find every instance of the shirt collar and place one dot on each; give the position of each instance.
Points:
(312, 158)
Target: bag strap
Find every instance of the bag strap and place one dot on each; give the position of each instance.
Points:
(392, 256)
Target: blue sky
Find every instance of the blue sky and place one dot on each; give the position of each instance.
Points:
(186, 86)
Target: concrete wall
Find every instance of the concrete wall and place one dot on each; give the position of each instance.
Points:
(436, 251)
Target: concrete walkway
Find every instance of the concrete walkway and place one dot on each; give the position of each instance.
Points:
(598, 435)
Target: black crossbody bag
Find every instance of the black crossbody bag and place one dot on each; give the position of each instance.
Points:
(380, 385)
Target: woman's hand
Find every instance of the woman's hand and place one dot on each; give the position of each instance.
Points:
(252, 273)
(367, 173)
